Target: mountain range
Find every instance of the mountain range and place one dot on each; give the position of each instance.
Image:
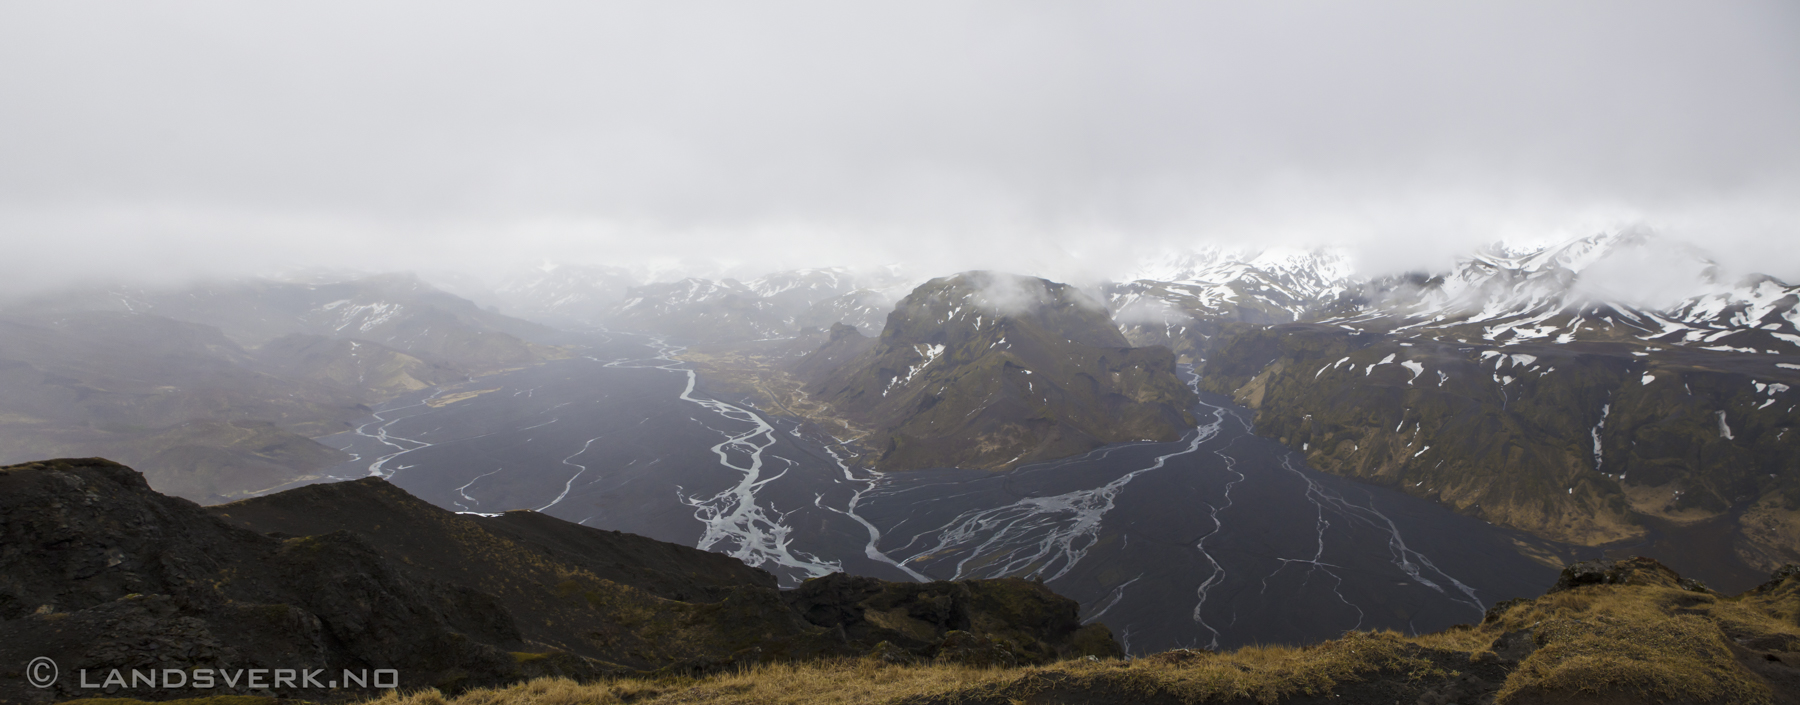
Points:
(1601, 390)
(1604, 389)
(1604, 393)
(1512, 387)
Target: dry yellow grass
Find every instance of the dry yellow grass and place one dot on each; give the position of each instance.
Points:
(1659, 642)
(1260, 673)
(1638, 642)
(1264, 674)
(211, 700)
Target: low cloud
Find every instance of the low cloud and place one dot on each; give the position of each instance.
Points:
(179, 139)
(1654, 274)
(1005, 294)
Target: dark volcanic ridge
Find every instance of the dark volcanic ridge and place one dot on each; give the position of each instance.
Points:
(99, 572)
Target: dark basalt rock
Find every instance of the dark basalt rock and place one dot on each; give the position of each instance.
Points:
(1029, 621)
(1635, 570)
(99, 572)
(1779, 578)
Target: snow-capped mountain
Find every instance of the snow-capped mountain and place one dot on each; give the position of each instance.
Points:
(803, 286)
(866, 309)
(700, 310)
(1567, 389)
(1582, 290)
(777, 305)
(1279, 285)
(1175, 297)
(565, 294)
(1312, 274)
(1623, 286)
(1755, 314)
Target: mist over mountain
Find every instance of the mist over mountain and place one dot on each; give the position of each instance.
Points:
(216, 390)
(604, 339)
(805, 136)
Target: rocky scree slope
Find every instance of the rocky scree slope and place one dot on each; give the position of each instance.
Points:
(992, 370)
(99, 572)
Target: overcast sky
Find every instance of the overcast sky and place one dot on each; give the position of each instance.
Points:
(1062, 138)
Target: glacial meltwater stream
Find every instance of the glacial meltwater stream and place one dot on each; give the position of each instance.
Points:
(1219, 539)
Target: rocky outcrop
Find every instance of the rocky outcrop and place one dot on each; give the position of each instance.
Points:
(99, 572)
(1635, 570)
(1625, 631)
(1009, 621)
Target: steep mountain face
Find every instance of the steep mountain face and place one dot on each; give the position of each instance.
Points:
(1179, 300)
(864, 309)
(566, 295)
(1567, 441)
(102, 573)
(989, 370)
(1528, 388)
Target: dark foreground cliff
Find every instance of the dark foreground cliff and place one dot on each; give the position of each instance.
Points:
(99, 572)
